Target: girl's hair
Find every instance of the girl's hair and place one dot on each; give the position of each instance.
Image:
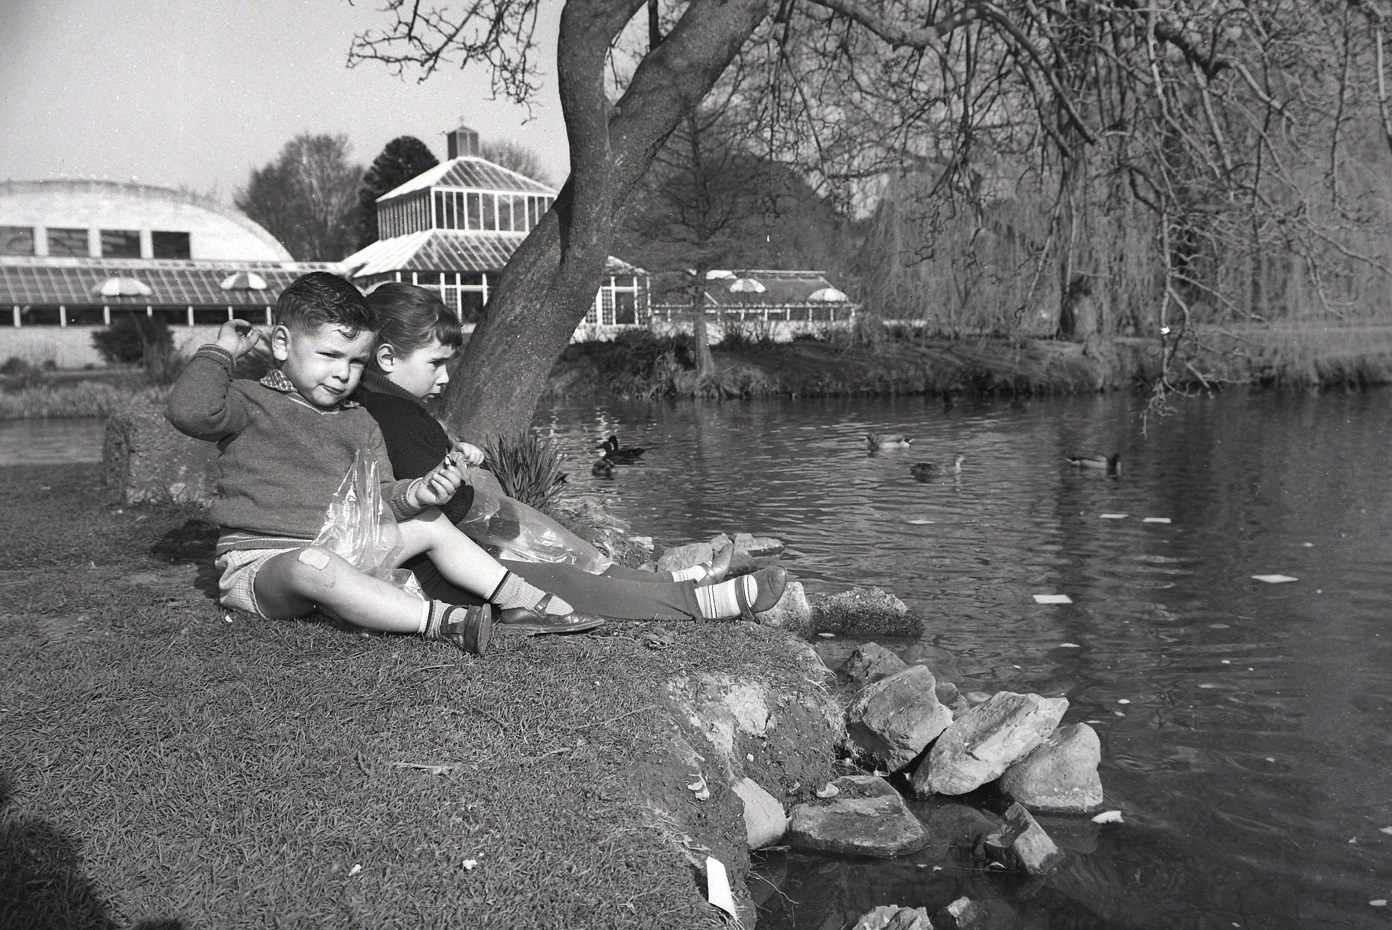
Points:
(409, 317)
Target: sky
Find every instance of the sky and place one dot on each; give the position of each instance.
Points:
(197, 93)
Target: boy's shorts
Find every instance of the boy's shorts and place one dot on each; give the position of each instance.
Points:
(237, 585)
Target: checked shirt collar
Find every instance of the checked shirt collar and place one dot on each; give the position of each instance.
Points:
(275, 380)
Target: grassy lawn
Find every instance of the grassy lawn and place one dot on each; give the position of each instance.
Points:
(163, 763)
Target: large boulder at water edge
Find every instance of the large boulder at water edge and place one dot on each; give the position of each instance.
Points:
(982, 743)
(1061, 775)
(764, 819)
(864, 613)
(895, 719)
(792, 612)
(866, 817)
(870, 663)
(1021, 845)
(894, 917)
(144, 458)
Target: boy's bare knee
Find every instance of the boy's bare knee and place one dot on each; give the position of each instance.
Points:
(316, 569)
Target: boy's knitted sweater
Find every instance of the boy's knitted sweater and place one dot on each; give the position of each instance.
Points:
(280, 458)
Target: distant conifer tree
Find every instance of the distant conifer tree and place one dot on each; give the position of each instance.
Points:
(402, 159)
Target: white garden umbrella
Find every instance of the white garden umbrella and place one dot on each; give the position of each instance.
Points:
(829, 294)
(243, 281)
(120, 286)
(746, 286)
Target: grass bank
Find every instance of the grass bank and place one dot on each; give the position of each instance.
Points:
(162, 765)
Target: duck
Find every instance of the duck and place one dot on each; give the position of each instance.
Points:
(603, 468)
(877, 441)
(925, 470)
(1111, 464)
(619, 456)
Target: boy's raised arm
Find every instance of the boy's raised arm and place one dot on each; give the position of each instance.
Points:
(201, 403)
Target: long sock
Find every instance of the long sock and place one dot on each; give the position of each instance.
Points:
(710, 571)
(694, 573)
(512, 591)
(718, 601)
(431, 617)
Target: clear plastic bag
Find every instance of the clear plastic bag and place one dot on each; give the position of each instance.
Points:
(359, 527)
(522, 533)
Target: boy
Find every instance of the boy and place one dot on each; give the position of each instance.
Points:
(284, 445)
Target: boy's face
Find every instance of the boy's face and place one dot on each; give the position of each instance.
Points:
(324, 363)
(424, 373)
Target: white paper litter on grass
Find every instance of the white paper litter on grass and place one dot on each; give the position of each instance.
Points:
(1113, 516)
(1155, 520)
(1052, 599)
(718, 887)
(1275, 579)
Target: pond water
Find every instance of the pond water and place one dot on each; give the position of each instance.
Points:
(1246, 727)
(50, 442)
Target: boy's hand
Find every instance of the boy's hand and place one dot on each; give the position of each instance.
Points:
(437, 486)
(467, 453)
(238, 337)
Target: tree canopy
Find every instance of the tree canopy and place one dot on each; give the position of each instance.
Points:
(305, 198)
(400, 160)
(1235, 134)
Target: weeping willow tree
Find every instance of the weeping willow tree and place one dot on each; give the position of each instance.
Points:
(1227, 128)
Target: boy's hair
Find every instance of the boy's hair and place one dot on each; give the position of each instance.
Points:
(320, 298)
(409, 317)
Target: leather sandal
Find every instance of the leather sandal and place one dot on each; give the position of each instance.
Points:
(538, 622)
(770, 583)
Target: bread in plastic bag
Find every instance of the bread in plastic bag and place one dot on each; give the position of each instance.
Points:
(519, 532)
(360, 528)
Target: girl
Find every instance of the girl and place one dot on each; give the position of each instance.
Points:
(417, 338)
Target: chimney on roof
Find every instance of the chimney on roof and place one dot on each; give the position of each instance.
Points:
(462, 141)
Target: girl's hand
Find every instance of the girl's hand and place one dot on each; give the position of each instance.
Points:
(437, 486)
(468, 453)
(238, 337)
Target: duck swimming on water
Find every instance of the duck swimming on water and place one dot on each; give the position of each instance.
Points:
(621, 456)
(603, 468)
(1111, 464)
(923, 471)
(878, 441)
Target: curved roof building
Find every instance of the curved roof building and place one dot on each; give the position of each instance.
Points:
(110, 219)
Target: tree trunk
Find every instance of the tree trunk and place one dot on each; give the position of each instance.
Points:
(550, 282)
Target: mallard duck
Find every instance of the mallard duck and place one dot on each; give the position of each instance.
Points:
(603, 468)
(1111, 464)
(876, 441)
(925, 470)
(627, 456)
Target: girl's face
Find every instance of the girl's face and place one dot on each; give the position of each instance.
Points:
(423, 372)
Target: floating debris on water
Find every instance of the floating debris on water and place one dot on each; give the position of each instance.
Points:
(1275, 579)
(1052, 599)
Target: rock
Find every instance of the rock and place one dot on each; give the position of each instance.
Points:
(1021, 845)
(896, 718)
(679, 557)
(865, 818)
(872, 662)
(764, 819)
(953, 698)
(986, 740)
(792, 612)
(144, 458)
(643, 545)
(1061, 775)
(758, 546)
(962, 914)
(865, 613)
(894, 917)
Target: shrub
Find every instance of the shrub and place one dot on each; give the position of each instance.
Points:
(132, 337)
(529, 469)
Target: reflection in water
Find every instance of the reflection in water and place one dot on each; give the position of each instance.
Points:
(50, 442)
(1256, 739)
